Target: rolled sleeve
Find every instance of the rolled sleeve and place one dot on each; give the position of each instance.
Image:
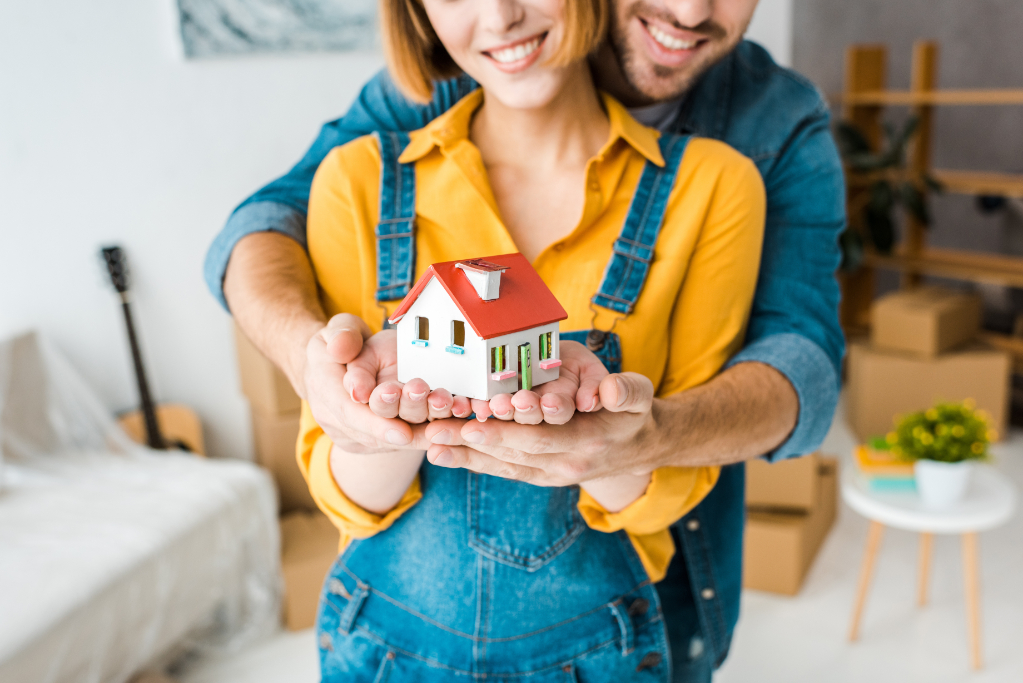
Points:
(249, 218)
(672, 492)
(812, 374)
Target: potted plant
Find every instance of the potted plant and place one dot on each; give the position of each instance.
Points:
(890, 183)
(944, 442)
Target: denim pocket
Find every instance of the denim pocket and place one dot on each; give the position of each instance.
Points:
(521, 525)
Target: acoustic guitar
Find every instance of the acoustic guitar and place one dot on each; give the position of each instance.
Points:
(160, 427)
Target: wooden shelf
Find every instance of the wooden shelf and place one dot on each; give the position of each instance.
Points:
(932, 97)
(956, 182)
(980, 182)
(954, 264)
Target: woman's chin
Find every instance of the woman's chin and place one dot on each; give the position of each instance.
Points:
(523, 93)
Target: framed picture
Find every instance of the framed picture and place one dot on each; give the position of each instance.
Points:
(211, 28)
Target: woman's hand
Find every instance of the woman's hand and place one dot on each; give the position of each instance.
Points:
(372, 379)
(349, 423)
(553, 402)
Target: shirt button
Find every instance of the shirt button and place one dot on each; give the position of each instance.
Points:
(595, 186)
(559, 246)
(707, 594)
(650, 660)
(693, 524)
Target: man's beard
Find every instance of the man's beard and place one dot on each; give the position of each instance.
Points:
(666, 82)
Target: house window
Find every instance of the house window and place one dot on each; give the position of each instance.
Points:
(498, 359)
(546, 348)
(422, 331)
(457, 345)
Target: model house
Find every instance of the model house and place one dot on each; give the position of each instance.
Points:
(479, 327)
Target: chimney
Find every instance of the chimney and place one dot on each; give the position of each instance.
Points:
(484, 276)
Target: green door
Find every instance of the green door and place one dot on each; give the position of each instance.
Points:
(525, 368)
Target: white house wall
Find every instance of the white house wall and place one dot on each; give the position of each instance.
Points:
(513, 340)
(461, 374)
(465, 374)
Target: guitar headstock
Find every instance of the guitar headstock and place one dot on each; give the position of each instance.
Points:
(117, 266)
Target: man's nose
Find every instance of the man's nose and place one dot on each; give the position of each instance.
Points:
(690, 13)
(501, 16)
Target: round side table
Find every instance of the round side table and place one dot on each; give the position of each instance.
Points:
(989, 502)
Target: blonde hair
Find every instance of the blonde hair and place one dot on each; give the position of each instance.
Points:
(416, 58)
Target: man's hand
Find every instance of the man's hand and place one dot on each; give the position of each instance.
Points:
(552, 402)
(616, 440)
(351, 424)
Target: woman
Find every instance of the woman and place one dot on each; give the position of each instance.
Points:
(448, 574)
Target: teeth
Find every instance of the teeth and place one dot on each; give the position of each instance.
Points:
(517, 53)
(670, 42)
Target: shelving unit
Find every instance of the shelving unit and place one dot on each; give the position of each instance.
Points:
(863, 102)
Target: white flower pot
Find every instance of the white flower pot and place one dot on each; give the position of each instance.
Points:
(941, 484)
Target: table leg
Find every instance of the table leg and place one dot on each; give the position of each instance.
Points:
(873, 543)
(925, 567)
(972, 580)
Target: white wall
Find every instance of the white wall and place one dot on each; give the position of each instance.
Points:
(106, 135)
(772, 28)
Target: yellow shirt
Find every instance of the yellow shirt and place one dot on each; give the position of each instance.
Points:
(689, 319)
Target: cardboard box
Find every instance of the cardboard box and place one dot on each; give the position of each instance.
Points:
(883, 384)
(309, 546)
(791, 484)
(263, 383)
(779, 547)
(275, 437)
(925, 321)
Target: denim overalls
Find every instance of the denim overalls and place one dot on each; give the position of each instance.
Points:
(487, 578)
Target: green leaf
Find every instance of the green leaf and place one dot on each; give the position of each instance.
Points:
(932, 183)
(852, 249)
(879, 443)
(915, 203)
(901, 141)
(850, 139)
(881, 228)
(864, 162)
(882, 198)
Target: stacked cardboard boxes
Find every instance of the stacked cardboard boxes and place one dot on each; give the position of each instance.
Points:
(790, 507)
(922, 351)
(309, 542)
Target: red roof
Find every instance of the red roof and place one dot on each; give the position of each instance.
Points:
(524, 302)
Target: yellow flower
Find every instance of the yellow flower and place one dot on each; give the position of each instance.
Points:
(917, 431)
(977, 447)
(926, 439)
(891, 438)
(931, 414)
(970, 403)
(981, 415)
(958, 431)
(941, 430)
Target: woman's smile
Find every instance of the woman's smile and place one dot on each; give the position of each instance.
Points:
(517, 56)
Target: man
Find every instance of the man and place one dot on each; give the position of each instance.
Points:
(681, 65)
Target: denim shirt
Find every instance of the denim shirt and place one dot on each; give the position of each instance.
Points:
(770, 114)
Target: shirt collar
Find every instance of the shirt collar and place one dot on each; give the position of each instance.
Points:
(453, 126)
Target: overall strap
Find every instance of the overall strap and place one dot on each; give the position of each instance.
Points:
(633, 251)
(396, 231)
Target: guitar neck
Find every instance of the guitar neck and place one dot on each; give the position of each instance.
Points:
(154, 438)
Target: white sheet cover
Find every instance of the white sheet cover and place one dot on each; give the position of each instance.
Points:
(112, 556)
